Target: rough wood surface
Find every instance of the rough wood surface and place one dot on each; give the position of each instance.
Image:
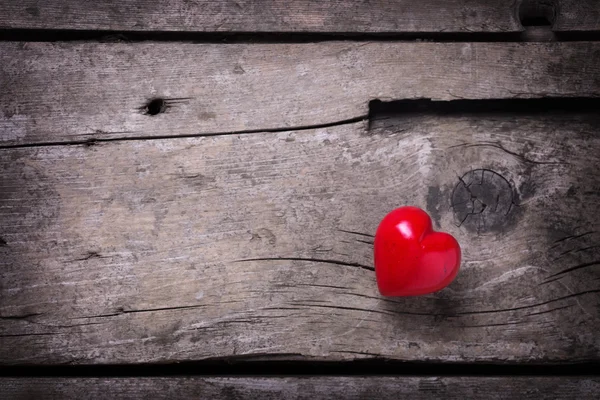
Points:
(259, 245)
(341, 16)
(304, 16)
(55, 92)
(577, 15)
(302, 388)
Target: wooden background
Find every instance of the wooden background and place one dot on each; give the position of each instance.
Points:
(175, 186)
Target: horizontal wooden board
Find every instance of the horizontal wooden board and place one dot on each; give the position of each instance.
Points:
(259, 245)
(300, 16)
(55, 92)
(341, 16)
(301, 388)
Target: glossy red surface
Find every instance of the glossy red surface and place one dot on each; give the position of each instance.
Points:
(411, 258)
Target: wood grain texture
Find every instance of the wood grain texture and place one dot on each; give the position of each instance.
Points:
(55, 92)
(340, 16)
(302, 388)
(259, 245)
(299, 16)
(577, 15)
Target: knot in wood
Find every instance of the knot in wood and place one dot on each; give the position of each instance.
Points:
(537, 12)
(155, 107)
(482, 201)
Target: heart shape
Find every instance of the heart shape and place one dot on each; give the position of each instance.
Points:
(411, 258)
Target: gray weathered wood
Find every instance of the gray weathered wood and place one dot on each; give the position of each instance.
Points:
(242, 16)
(244, 245)
(577, 15)
(54, 92)
(372, 387)
(341, 16)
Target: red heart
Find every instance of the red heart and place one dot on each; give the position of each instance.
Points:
(410, 257)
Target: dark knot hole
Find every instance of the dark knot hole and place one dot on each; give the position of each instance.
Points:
(537, 13)
(156, 106)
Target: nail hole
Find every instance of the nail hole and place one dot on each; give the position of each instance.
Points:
(156, 106)
(537, 12)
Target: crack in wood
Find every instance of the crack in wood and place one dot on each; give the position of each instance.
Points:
(313, 285)
(564, 253)
(512, 153)
(384, 312)
(19, 317)
(299, 128)
(550, 311)
(90, 255)
(122, 311)
(575, 268)
(530, 306)
(31, 334)
(315, 260)
(571, 237)
(498, 324)
(357, 233)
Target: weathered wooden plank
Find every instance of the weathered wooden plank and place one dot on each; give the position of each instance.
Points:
(300, 16)
(341, 16)
(302, 388)
(577, 15)
(259, 244)
(54, 92)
